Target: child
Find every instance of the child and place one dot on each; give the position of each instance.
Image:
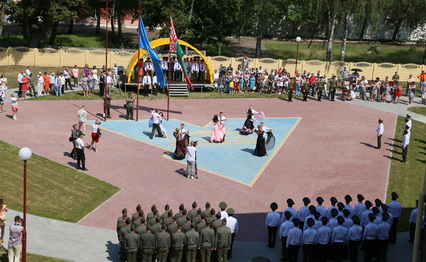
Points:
(272, 222)
(15, 108)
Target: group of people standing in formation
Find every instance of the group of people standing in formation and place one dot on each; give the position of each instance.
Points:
(406, 135)
(317, 85)
(336, 233)
(188, 236)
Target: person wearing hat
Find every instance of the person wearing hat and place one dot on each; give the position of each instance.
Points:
(323, 239)
(303, 211)
(395, 210)
(383, 238)
(138, 221)
(290, 209)
(136, 214)
(73, 137)
(306, 87)
(291, 89)
(354, 238)
(207, 242)
(294, 241)
(332, 222)
(283, 233)
(223, 213)
(333, 87)
(40, 84)
(312, 210)
(207, 211)
(223, 241)
(192, 238)
(348, 200)
(360, 207)
(309, 240)
(193, 212)
(380, 130)
(339, 239)
(320, 208)
(348, 221)
(232, 223)
(108, 104)
(79, 147)
(202, 73)
(272, 222)
(131, 242)
(178, 243)
(163, 243)
(405, 142)
(333, 202)
(124, 230)
(364, 216)
(369, 238)
(148, 245)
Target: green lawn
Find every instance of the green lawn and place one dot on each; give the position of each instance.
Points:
(53, 190)
(31, 258)
(407, 178)
(418, 110)
(354, 53)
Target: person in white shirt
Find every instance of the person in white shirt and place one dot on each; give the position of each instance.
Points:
(156, 118)
(67, 76)
(155, 84)
(147, 83)
(380, 131)
(405, 143)
(148, 66)
(202, 73)
(40, 84)
(177, 68)
(115, 74)
(195, 69)
(191, 158)
(232, 223)
(20, 76)
(79, 147)
(28, 71)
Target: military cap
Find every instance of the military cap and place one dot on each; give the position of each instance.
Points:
(356, 219)
(194, 204)
(142, 219)
(340, 205)
(385, 216)
(360, 197)
(287, 214)
(296, 221)
(375, 210)
(340, 220)
(348, 198)
(334, 212)
(371, 216)
(394, 195)
(408, 116)
(274, 206)
(378, 201)
(324, 220)
(333, 200)
(306, 200)
(222, 205)
(181, 206)
(385, 207)
(368, 204)
(167, 206)
(310, 222)
(320, 200)
(290, 201)
(207, 204)
(230, 211)
(317, 215)
(346, 212)
(312, 209)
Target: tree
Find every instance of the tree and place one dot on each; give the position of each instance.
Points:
(404, 12)
(2, 13)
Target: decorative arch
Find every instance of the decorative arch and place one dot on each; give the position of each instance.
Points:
(165, 41)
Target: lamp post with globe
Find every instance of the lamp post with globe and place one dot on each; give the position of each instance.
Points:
(25, 154)
(298, 40)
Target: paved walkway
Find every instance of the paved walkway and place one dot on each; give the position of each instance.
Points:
(78, 243)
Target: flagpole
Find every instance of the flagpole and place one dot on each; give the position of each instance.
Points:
(168, 77)
(139, 59)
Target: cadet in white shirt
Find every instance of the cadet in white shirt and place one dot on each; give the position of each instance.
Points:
(383, 238)
(290, 209)
(294, 241)
(354, 238)
(380, 130)
(405, 143)
(309, 241)
(232, 223)
(272, 222)
(194, 71)
(283, 234)
(148, 67)
(323, 238)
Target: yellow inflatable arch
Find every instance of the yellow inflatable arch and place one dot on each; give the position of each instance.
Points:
(165, 41)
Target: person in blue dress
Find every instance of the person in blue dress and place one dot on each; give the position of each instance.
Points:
(251, 82)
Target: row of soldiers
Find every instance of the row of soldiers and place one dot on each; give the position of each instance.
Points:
(184, 236)
(337, 232)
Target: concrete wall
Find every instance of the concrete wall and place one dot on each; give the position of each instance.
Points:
(24, 56)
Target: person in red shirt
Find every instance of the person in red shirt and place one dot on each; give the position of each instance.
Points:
(312, 80)
(46, 83)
